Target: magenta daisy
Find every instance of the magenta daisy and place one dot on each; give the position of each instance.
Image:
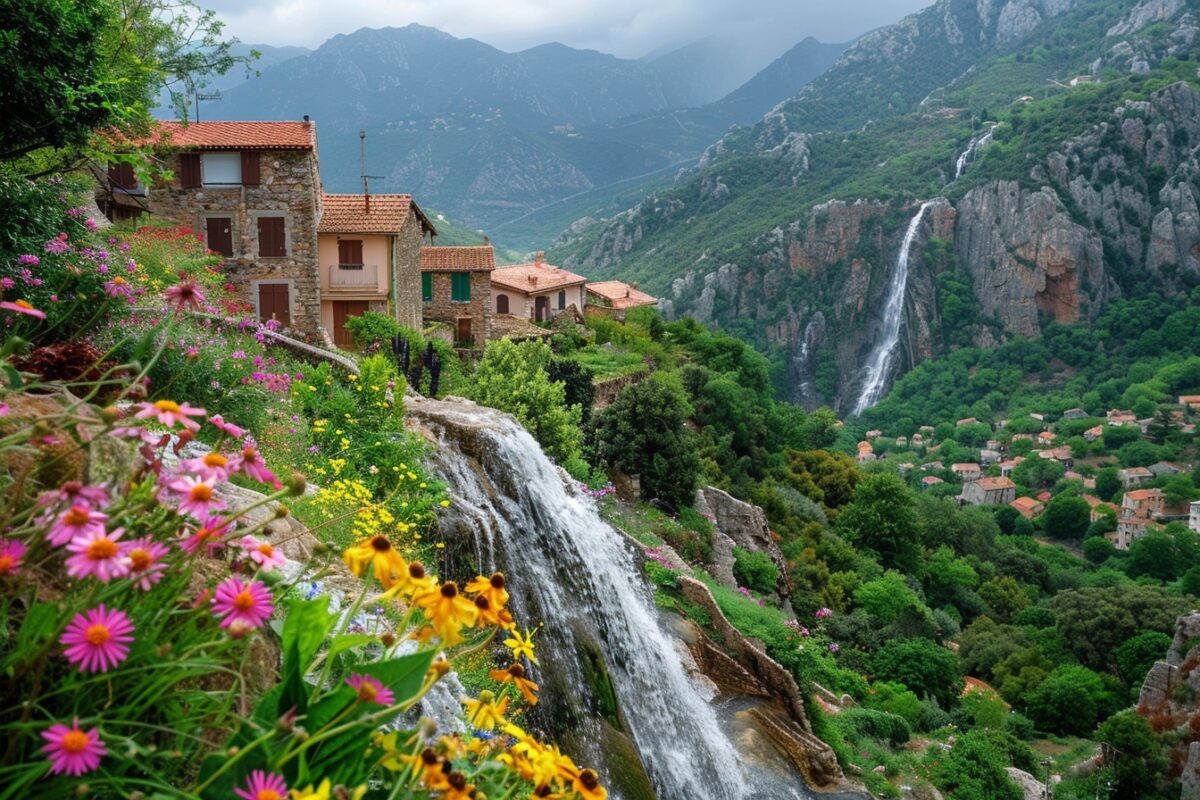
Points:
(168, 412)
(11, 553)
(97, 555)
(262, 553)
(210, 533)
(246, 604)
(76, 521)
(253, 466)
(210, 467)
(72, 750)
(119, 287)
(145, 556)
(22, 307)
(263, 786)
(75, 493)
(197, 497)
(98, 639)
(186, 295)
(227, 427)
(370, 690)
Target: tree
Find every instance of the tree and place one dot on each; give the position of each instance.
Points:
(985, 644)
(1038, 473)
(1004, 597)
(828, 478)
(1179, 490)
(642, 433)
(881, 519)
(1117, 436)
(579, 387)
(925, 668)
(1135, 754)
(1071, 701)
(1161, 426)
(887, 597)
(1066, 517)
(947, 577)
(1154, 555)
(973, 769)
(512, 377)
(1137, 655)
(1097, 549)
(1108, 484)
(1095, 620)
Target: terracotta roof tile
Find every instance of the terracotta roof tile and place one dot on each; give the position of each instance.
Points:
(449, 259)
(531, 278)
(991, 484)
(621, 294)
(236, 135)
(1144, 494)
(347, 213)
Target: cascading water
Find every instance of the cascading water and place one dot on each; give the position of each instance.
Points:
(567, 567)
(968, 155)
(880, 362)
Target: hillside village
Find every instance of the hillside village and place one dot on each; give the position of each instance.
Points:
(311, 261)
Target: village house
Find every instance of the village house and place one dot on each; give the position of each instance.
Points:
(966, 421)
(873, 434)
(1006, 467)
(1027, 507)
(368, 249)
(901, 441)
(1134, 476)
(931, 480)
(1059, 454)
(252, 191)
(989, 492)
(1194, 516)
(1098, 507)
(1074, 413)
(456, 289)
(993, 444)
(1164, 469)
(1046, 438)
(615, 298)
(865, 452)
(932, 466)
(1192, 401)
(1022, 437)
(536, 291)
(918, 440)
(1092, 434)
(1136, 514)
(1038, 417)
(1116, 418)
(989, 457)
(967, 472)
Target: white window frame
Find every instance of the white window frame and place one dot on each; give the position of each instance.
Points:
(218, 168)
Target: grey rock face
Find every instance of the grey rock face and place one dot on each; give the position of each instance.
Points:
(1146, 13)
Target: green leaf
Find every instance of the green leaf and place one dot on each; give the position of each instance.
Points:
(41, 625)
(306, 625)
(403, 675)
(347, 641)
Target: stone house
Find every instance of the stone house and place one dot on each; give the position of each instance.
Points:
(1134, 476)
(1092, 434)
(967, 472)
(989, 457)
(1162, 469)
(1074, 413)
(1194, 516)
(1027, 507)
(368, 249)
(965, 421)
(536, 291)
(1136, 514)
(1096, 505)
(1192, 401)
(990, 492)
(456, 289)
(252, 191)
(931, 480)
(1046, 438)
(615, 298)
(1116, 418)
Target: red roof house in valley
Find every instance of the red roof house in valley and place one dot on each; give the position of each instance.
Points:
(456, 289)
(536, 291)
(989, 492)
(368, 249)
(616, 297)
(1027, 507)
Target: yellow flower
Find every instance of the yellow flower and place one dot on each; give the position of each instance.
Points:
(521, 645)
(377, 551)
(516, 676)
(458, 788)
(587, 784)
(492, 588)
(445, 504)
(491, 615)
(412, 583)
(448, 612)
(486, 714)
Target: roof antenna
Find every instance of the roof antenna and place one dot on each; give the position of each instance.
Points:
(362, 170)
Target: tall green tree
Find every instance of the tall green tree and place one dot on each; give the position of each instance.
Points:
(881, 519)
(1135, 754)
(1066, 517)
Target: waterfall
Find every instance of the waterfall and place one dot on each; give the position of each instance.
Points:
(968, 155)
(568, 568)
(879, 364)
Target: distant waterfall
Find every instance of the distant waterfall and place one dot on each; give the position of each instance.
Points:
(566, 566)
(968, 155)
(879, 365)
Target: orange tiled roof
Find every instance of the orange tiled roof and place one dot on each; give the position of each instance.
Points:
(991, 484)
(1025, 502)
(1143, 494)
(621, 294)
(450, 259)
(236, 135)
(533, 278)
(347, 213)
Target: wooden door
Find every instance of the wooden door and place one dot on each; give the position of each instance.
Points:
(273, 303)
(541, 306)
(220, 235)
(502, 304)
(342, 311)
(464, 330)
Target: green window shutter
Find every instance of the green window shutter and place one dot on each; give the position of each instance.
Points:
(460, 287)
(426, 286)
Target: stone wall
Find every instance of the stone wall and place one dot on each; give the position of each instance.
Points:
(406, 273)
(289, 187)
(479, 308)
(608, 389)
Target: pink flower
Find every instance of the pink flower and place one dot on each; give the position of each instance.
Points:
(98, 639)
(146, 567)
(72, 750)
(822, 613)
(209, 533)
(58, 244)
(253, 466)
(22, 307)
(227, 427)
(76, 493)
(7, 283)
(197, 497)
(371, 690)
(76, 521)
(186, 295)
(168, 412)
(247, 605)
(262, 553)
(119, 287)
(97, 555)
(210, 466)
(28, 260)
(263, 786)
(833, 647)
(11, 553)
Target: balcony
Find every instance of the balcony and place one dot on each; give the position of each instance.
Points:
(356, 278)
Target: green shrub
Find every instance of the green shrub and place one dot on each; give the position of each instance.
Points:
(860, 723)
(372, 327)
(755, 570)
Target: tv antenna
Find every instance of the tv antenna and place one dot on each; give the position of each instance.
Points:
(206, 96)
(362, 170)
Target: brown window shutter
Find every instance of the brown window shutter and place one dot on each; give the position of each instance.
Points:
(350, 251)
(189, 170)
(120, 176)
(249, 168)
(272, 241)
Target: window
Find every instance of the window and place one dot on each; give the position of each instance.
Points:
(501, 304)
(350, 253)
(222, 169)
(460, 287)
(562, 299)
(272, 237)
(427, 286)
(120, 176)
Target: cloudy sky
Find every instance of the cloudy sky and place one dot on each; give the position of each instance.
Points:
(629, 28)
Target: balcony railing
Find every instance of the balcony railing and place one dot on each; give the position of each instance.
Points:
(354, 277)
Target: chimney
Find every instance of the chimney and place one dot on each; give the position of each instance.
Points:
(487, 241)
(306, 120)
(537, 259)
(533, 280)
